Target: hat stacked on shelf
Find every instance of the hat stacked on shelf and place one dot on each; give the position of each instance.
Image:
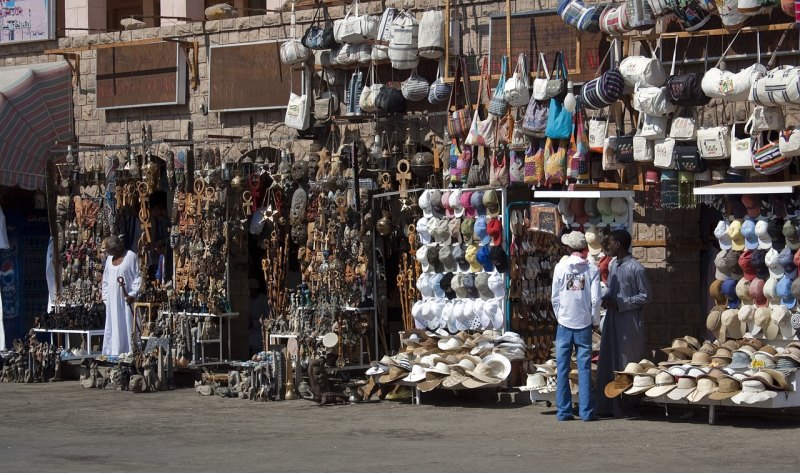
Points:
(463, 261)
(460, 361)
(756, 287)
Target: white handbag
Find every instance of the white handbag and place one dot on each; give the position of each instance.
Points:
(370, 92)
(516, 88)
(734, 87)
(597, 133)
(780, 86)
(653, 101)
(663, 153)
(683, 129)
(293, 51)
(540, 84)
(363, 53)
(431, 34)
(765, 119)
(714, 142)
(643, 71)
(385, 25)
(652, 127)
(347, 55)
(355, 29)
(403, 45)
(741, 154)
(642, 149)
(789, 142)
(298, 114)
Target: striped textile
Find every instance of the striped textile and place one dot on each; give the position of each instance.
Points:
(36, 106)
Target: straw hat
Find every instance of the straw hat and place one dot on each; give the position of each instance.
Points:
(753, 391)
(686, 385)
(480, 376)
(500, 365)
(416, 375)
(700, 358)
(622, 381)
(664, 383)
(679, 345)
(432, 380)
(776, 380)
(705, 386)
(632, 369)
(641, 383)
(395, 374)
(455, 379)
(727, 387)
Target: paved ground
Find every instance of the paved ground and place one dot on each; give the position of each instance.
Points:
(62, 427)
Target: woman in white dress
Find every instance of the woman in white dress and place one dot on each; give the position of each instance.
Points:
(124, 264)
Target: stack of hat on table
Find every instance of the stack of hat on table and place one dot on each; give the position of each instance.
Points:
(463, 261)
(460, 361)
(756, 287)
(745, 371)
(578, 214)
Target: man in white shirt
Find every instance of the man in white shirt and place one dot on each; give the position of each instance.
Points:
(576, 303)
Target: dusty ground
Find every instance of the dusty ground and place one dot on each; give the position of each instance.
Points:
(62, 427)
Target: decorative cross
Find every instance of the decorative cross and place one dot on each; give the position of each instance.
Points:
(403, 177)
(247, 203)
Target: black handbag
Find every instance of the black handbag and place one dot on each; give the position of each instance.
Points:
(320, 36)
(478, 171)
(623, 144)
(391, 100)
(685, 90)
(687, 157)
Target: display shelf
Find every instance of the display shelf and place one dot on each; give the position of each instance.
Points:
(736, 188)
(89, 334)
(223, 320)
(583, 194)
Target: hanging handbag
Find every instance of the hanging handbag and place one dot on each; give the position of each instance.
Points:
(578, 163)
(478, 171)
(652, 128)
(640, 14)
(293, 52)
(391, 100)
(498, 175)
(355, 28)
(714, 142)
(403, 46)
(718, 83)
(347, 55)
(460, 163)
(767, 157)
(415, 88)
(539, 91)
(610, 145)
(685, 90)
(643, 71)
(482, 132)
(765, 119)
(623, 145)
(614, 20)
(557, 85)
(320, 34)
(598, 127)
(780, 86)
(534, 165)
(789, 142)
(663, 156)
(534, 123)
(555, 163)
(652, 101)
(385, 26)
(497, 102)
(363, 54)
(460, 116)
(325, 105)
(559, 121)
(431, 34)
(354, 90)
(605, 88)
(516, 167)
(687, 158)
(741, 148)
(516, 89)
(370, 92)
(298, 115)
(439, 91)
(642, 149)
(683, 129)
(692, 14)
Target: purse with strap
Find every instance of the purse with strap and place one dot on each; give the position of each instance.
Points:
(516, 167)
(789, 142)
(578, 164)
(623, 146)
(557, 85)
(685, 90)
(482, 132)
(293, 51)
(643, 71)
(539, 91)
(415, 88)
(516, 90)
(598, 127)
(320, 34)
(555, 163)
(478, 170)
(719, 83)
(767, 157)
(497, 102)
(714, 142)
(663, 156)
(687, 158)
(741, 148)
(498, 176)
(534, 165)
(780, 86)
(439, 90)
(460, 116)
(605, 88)
(370, 92)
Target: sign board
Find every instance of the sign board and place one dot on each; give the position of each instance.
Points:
(27, 20)
(250, 77)
(147, 75)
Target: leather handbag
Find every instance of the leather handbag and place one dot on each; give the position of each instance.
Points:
(497, 102)
(460, 113)
(789, 142)
(687, 158)
(498, 175)
(557, 85)
(325, 105)
(767, 157)
(685, 90)
(320, 34)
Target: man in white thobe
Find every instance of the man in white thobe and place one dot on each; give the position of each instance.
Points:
(124, 264)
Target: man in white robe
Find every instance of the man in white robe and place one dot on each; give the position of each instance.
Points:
(124, 264)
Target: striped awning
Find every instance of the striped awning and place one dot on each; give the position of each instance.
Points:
(36, 109)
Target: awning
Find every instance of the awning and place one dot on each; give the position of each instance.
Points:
(36, 109)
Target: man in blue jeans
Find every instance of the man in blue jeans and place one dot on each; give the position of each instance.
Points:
(576, 303)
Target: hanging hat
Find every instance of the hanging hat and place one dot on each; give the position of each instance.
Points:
(492, 203)
(467, 229)
(775, 232)
(729, 291)
(620, 207)
(593, 239)
(455, 203)
(483, 258)
(466, 203)
(495, 230)
(722, 272)
(477, 202)
(786, 259)
(773, 265)
(481, 232)
(721, 233)
(498, 258)
(422, 231)
(749, 233)
(735, 232)
(732, 265)
(606, 212)
(424, 203)
(746, 264)
(759, 264)
(752, 205)
(790, 235)
(460, 256)
(764, 239)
